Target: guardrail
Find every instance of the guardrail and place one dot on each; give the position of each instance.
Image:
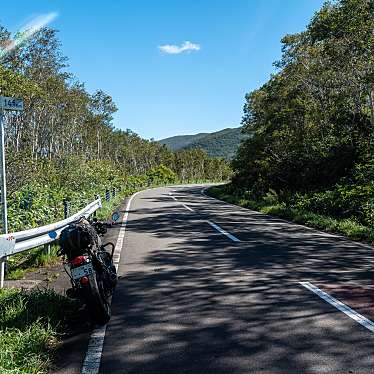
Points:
(17, 242)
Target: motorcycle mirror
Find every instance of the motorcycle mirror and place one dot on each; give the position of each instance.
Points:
(115, 216)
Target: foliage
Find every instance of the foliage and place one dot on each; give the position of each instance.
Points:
(16, 274)
(222, 143)
(178, 142)
(30, 323)
(21, 263)
(312, 123)
(64, 146)
(299, 214)
(161, 175)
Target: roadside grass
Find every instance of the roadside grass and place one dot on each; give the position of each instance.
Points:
(22, 263)
(31, 325)
(347, 227)
(16, 274)
(108, 207)
(29, 261)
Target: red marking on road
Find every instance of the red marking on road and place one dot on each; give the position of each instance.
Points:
(360, 298)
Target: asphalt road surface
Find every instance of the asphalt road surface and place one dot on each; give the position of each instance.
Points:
(206, 287)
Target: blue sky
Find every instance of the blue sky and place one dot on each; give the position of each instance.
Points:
(115, 46)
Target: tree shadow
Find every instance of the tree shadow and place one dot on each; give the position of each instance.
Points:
(195, 302)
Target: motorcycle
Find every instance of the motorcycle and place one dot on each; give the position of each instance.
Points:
(89, 264)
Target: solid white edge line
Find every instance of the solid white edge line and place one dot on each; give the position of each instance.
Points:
(222, 231)
(91, 363)
(367, 323)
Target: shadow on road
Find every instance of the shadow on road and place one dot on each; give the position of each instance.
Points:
(203, 304)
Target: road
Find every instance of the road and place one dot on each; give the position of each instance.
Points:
(206, 287)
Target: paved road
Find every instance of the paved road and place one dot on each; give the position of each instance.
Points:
(193, 300)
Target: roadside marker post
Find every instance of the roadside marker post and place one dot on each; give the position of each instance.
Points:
(13, 104)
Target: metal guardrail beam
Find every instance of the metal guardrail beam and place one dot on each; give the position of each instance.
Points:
(39, 236)
(27, 234)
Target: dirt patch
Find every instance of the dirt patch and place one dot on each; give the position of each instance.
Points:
(47, 277)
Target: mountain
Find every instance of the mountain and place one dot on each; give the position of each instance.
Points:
(222, 143)
(181, 141)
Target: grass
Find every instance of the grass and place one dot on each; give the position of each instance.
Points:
(347, 227)
(31, 323)
(25, 262)
(22, 263)
(108, 207)
(16, 274)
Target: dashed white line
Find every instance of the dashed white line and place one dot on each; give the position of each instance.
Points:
(290, 224)
(91, 363)
(219, 229)
(187, 207)
(340, 306)
(172, 196)
(222, 231)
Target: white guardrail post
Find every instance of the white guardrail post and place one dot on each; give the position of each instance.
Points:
(17, 242)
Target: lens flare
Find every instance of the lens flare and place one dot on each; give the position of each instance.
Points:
(26, 32)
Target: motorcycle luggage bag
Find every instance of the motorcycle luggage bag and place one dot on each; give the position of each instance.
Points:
(76, 238)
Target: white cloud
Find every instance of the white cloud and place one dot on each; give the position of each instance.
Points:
(173, 49)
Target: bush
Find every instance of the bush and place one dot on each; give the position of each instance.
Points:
(345, 201)
(299, 210)
(161, 175)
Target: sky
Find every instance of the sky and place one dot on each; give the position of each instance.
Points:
(173, 67)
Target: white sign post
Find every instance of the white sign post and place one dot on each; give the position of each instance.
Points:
(6, 103)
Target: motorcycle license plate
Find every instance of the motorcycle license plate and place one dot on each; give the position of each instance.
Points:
(82, 271)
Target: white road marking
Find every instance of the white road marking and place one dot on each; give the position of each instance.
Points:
(316, 231)
(187, 207)
(222, 231)
(340, 306)
(91, 363)
(92, 360)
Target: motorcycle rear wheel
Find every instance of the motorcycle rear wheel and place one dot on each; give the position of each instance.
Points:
(98, 305)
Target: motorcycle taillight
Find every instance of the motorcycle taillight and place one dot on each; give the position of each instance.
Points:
(84, 281)
(77, 261)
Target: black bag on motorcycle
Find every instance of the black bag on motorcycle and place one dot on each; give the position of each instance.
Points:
(77, 238)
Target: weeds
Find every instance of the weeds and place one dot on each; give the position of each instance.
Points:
(16, 274)
(25, 262)
(30, 326)
(269, 205)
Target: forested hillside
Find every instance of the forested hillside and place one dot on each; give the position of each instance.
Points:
(63, 145)
(312, 148)
(181, 141)
(222, 143)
